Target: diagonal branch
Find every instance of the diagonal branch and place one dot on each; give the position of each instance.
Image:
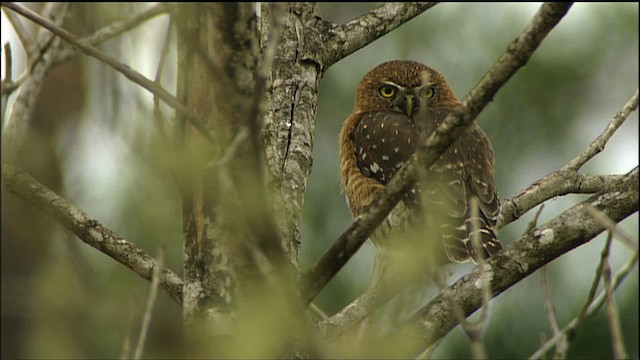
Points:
(114, 29)
(40, 61)
(599, 143)
(17, 181)
(566, 180)
(516, 56)
(348, 38)
(131, 74)
(567, 231)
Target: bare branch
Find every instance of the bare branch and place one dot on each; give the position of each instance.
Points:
(599, 143)
(516, 56)
(112, 30)
(555, 184)
(15, 127)
(131, 74)
(534, 222)
(121, 26)
(90, 231)
(561, 349)
(567, 180)
(567, 231)
(28, 43)
(358, 33)
(8, 80)
(611, 312)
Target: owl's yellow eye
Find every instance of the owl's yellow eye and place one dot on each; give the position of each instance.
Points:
(387, 91)
(428, 92)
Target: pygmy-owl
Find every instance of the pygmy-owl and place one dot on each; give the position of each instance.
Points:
(398, 104)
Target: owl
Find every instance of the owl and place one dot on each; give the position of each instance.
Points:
(398, 104)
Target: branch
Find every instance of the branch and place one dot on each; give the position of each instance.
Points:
(346, 39)
(40, 61)
(28, 43)
(555, 184)
(516, 56)
(567, 231)
(151, 300)
(114, 29)
(131, 74)
(598, 144)
(567, 180)
(550, 309)
(17, 181)
(611, 313)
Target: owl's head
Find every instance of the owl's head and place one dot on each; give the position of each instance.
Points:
(400, 86)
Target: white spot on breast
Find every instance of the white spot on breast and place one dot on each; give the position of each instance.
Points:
(374, 168)
(397, 132)
(384, 140)
(396, 150)
(382, 126)
(385, 157)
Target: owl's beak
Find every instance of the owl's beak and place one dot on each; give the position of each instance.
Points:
(409, 104)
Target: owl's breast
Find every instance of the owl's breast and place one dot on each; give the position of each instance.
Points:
(383, 142)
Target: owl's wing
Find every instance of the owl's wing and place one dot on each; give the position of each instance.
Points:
(465, 172)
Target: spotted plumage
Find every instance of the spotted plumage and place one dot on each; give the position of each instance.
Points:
(398, 103)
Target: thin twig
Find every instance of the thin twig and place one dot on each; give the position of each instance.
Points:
(561, 348)
(30, 82)
(125, 352)
(8, 62)
(534, 222)
(28, 43)
(131, 74)
(153, 292)
(620, 234)
(55, 12)
(591, 306)
(121, 26)
(611, 313)
(516, 56)
(114, 29)
(157, 111)
(599, 143)
(8, 77)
